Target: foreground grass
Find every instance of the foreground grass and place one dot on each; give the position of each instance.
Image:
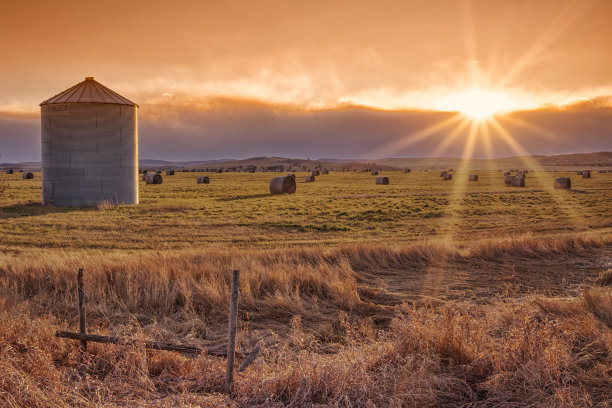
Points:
(507, 322)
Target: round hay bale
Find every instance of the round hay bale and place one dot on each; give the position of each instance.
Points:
(145, 171)
(473, 177)
(169, 172)
(447, 177)
(144, 177)
(315, 173)
(579, 173)
(158, 172)
(601, 171)
(375, 172)
(283, 185)
(382, 180)
(153, 178)
(325, 171)
(586, 174)
(310, 179)
(27, 175)
(203, 180)
(508, 180)
(9, 171)
(507, 173)
(563, 183)
(518, 182)
(442, 174)
(407, 171)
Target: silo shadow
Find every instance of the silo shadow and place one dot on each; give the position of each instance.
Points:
(33, 209)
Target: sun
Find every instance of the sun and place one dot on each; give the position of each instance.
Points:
(478, 104)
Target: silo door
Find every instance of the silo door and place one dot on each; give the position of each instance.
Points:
(48, 192)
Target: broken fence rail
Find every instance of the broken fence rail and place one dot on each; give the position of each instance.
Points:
(155, 345)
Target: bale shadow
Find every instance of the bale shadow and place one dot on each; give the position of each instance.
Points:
(245, 197)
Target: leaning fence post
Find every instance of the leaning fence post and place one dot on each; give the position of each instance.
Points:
(231, 343)
(81, 308)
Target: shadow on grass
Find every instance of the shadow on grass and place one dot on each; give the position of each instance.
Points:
(245, 197)
(35, 209)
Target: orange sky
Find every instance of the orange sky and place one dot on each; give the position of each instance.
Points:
(311, 55)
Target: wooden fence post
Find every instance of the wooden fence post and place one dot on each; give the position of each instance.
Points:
(231, 343)
(81, 308)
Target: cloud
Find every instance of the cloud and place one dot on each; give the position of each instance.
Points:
(185, 128)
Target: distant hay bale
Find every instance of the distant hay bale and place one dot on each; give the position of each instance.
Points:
(145, 171)
(579, 173)
(315, 173)
(325, 171)
(151, 178)
(382, 180)
(473, 177)
(601, 171)
(508, 180)
(283, 185)
(563, 183)
(443, 173)
(158, 172)
(27, 175)
(375, 172)
(507, 173)
(447, 176)
(9, 171)
(407, 171)
(520, 174)
(518, 182)
(310, 179)
(586, 174)
(203, 180)
(169, 172)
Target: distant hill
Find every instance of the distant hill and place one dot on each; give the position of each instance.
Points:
(560, 162)
(565, 161)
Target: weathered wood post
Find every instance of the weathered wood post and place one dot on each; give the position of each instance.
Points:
(231, 343)
(81, 308)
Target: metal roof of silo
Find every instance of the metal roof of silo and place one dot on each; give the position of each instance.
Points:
(88, 91)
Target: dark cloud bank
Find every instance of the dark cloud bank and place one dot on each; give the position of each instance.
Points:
(239, 129)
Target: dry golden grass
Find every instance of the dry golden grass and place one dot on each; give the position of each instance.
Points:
(508, 322)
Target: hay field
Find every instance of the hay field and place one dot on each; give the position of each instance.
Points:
(236, 209)
(420, 293)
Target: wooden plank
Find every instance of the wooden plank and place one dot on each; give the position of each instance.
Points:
(231, 341)
(250, 358)
(82, 328)
(155, 345)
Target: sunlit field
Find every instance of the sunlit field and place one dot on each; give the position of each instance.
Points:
(418, 293)
(236, 209)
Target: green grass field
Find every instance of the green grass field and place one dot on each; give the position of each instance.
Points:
(236, 209)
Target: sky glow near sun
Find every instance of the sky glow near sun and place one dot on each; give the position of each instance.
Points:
(479, 104)
(269, 74)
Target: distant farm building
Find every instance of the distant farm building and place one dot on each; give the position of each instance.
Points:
(89, 138)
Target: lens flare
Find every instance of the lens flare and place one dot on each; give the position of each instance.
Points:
(478, 104)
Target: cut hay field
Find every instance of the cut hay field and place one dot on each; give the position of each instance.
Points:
(422, 293)
(236, 209)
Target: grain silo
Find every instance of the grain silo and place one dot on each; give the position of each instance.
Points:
(89, 137)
